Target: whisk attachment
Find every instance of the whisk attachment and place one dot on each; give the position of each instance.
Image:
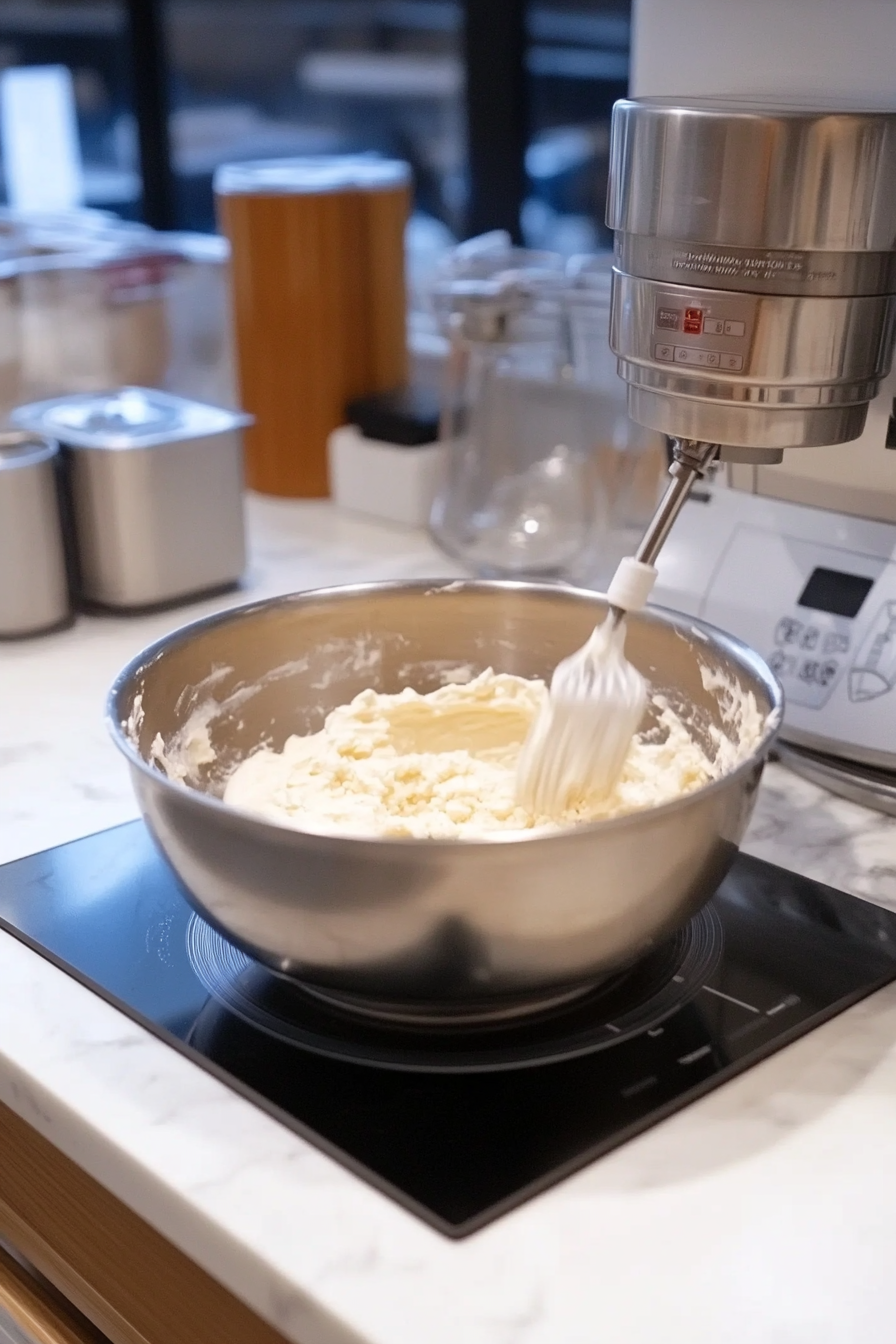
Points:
(579, 741)
(577, 746)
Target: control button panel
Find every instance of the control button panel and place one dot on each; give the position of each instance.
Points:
(798, 644)
(807, 678)
(788, 630)
(712, 335)
(717, 326)
(811, 655)
(696, 357)
(812, 651)
(688, 354)
(835, 643)
(830, 637)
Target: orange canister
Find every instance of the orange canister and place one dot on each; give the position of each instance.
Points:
(319, 302)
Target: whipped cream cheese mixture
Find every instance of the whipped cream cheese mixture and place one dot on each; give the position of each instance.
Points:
(443, 765)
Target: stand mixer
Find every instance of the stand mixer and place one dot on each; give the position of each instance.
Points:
(753, 309)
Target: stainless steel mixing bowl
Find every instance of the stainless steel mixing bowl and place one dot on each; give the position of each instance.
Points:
(426, 930)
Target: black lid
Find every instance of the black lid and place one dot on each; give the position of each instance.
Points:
(408, 416)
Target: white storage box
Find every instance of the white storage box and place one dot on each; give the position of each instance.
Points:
(393, 481)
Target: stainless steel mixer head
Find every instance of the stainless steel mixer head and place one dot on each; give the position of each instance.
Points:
(752, 300)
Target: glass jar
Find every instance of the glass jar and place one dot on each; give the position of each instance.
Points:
(630, 461)
(520, 495)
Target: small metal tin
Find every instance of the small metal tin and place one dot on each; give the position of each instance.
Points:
(34, 592)
(154, 485)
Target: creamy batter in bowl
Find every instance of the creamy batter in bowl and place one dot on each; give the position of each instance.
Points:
(443, 765)
(432, 929)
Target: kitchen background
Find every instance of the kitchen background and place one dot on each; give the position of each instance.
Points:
(254, 1230)
(531, 86)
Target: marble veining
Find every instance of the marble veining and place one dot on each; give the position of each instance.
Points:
(765, 1212)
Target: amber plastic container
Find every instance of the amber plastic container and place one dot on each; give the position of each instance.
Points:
(319, 302)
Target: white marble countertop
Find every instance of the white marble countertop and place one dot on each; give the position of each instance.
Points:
(765, 1212)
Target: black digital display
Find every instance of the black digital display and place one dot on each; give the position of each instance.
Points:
(830, 590)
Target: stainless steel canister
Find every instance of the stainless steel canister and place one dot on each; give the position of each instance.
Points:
(34, 592)
(154, 486)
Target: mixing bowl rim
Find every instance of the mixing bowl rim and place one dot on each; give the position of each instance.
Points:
(681, 622)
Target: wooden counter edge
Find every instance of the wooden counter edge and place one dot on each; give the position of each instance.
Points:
(40, 1312)
(126, 1278)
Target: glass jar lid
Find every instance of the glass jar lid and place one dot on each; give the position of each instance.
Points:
(314, 174)
(497, 294)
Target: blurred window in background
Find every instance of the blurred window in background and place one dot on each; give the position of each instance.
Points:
(577, 60)
(91, 39)
(273, 78)
(418, 79)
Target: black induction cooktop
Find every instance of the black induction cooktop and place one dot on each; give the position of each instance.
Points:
(458, 1126)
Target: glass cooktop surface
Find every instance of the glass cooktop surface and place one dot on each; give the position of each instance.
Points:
(457, 1126)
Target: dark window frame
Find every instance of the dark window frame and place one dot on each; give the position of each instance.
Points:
(497, 107)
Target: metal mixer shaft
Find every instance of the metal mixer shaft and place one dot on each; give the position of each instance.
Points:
(690, 458)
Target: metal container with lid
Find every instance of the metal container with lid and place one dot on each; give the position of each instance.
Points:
(154, 484)
(755, 244)
(34, 591)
